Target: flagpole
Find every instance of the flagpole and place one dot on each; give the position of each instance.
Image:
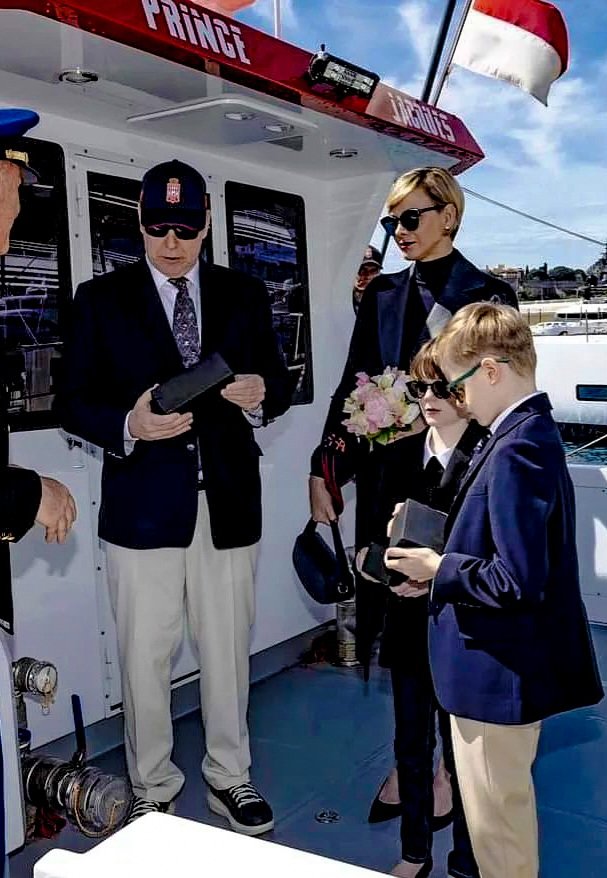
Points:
(277, 19)
(438, 88)
(438, 49)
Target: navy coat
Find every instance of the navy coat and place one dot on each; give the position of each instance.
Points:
(509, 636)
(120, 345)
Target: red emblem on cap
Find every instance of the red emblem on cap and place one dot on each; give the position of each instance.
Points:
(173, 191)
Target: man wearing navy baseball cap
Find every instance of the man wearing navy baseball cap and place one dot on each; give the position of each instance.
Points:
(181, 495)
(25, 497)
(370, 267)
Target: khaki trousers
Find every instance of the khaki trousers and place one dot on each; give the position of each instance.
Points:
(493, 764)
(152, 591)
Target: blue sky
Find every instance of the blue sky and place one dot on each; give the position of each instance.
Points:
(551, 162)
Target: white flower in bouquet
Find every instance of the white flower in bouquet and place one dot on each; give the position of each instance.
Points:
(379, 408)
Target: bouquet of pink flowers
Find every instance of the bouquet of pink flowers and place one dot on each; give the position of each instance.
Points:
(379, 408)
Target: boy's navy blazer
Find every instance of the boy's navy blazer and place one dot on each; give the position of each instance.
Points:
(120, 345)
(509, 636)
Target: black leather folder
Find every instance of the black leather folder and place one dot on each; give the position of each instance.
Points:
(175, 394)
(417, 526)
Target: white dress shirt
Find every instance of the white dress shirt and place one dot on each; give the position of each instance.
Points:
(503, 415)
(443, 457)
(168, 291)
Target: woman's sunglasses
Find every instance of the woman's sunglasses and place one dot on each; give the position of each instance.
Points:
(409, 219)
(184, 233)
(418, 389)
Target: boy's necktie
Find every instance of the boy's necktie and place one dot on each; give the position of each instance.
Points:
(185, 325)
(433, 475)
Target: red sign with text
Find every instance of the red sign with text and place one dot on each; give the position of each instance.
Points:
(191, 34)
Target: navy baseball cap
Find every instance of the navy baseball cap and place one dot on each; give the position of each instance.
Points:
(14, 123)
(174, 193)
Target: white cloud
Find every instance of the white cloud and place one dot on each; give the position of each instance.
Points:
(417, 25)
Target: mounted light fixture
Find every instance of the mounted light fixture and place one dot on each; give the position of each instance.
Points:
(239, 117)
(344, 152)
(77, 76)
(278, 128)
(346, 78)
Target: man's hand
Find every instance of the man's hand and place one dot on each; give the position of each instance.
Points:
(144, 424)
(321, 504)
(420, 565)
(57, 510)
(246, 391)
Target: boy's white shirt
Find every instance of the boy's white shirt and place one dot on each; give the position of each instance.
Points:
(443, 457)
(503, 415)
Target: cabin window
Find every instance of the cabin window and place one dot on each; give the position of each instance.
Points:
(35, 287)
(591, 392)
(267, 238)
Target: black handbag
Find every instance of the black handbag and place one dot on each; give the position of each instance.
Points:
(325, 574)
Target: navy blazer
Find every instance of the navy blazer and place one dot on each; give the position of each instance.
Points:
(509, 636)
(120, 345)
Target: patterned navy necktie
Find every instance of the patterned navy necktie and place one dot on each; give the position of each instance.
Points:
(185, 325)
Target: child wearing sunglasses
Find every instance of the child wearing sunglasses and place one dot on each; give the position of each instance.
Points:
(427, 467)
(509, 638)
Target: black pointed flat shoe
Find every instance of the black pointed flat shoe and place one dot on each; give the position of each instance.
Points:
(382, 811)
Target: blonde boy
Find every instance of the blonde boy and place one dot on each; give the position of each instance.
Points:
(509, 637)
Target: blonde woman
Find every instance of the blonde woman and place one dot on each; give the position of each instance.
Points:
(398, 313)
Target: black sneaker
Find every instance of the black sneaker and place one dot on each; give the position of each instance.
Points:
(245, 810)
(145, 806)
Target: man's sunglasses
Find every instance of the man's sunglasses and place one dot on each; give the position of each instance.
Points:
(409, 219)
(418, 389)
(184, 233)
(455, 386)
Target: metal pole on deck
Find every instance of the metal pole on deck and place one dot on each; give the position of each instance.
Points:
(277, 19)
(438, 88)
(438, 50)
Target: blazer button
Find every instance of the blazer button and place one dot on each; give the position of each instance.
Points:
(190, 446)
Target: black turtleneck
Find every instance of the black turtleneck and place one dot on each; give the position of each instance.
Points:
(426, 285)
(434, 273)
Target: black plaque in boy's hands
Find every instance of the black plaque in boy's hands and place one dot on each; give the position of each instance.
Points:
(418, 526)
(176, 393)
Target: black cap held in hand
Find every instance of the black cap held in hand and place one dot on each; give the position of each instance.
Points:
(174, 193)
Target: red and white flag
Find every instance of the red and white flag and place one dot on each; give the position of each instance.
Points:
(522, 41)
